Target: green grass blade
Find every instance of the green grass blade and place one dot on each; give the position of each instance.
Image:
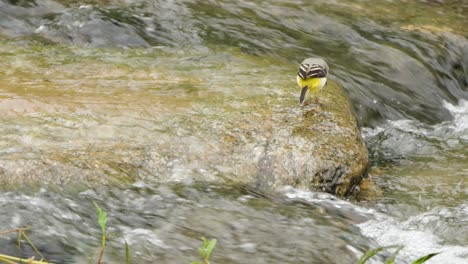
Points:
(425, 258)
(370, 253)
(392, 258)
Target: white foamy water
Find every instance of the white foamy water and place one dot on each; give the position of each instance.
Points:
(460, 115)
(441, 227)
(330, 202)
(419, 235)
(456, 128)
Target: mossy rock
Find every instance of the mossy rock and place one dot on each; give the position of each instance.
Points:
(318, 147)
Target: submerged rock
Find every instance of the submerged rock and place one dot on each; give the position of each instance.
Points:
(21, 18)
(88, 25)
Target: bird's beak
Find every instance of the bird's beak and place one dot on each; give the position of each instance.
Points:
(303, 93)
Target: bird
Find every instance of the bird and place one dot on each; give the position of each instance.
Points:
(311, 76)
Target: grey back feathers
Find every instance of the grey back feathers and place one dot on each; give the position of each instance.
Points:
(313, 68)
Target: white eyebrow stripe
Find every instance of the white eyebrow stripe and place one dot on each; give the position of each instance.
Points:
(301, 74)
(315, 67)
(304, 67)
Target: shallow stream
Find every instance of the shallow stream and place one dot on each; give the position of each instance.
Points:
(88, 91)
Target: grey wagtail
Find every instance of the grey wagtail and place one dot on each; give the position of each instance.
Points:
(312, 75)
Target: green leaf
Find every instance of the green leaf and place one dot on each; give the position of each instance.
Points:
(102, 220)
(127, 253)
(425, 258)
(205, 242)
(201, 251)
(102, 217)
(209, 248)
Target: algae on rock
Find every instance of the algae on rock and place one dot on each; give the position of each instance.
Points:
(315, 147)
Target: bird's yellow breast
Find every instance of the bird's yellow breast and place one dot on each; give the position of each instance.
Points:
(314, 84)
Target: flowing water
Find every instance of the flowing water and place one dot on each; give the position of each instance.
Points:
(91, 92)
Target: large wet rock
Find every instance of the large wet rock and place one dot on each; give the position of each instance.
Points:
(318, 147)
(91, 116)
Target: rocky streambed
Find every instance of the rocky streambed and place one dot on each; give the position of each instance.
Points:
(180, 119)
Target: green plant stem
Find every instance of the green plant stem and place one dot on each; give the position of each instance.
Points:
(33, 246)
(14, 230)
(102, 220)
(7, 261)
(103, 246)
(19, 242)
(127, 253)
(29, 261)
